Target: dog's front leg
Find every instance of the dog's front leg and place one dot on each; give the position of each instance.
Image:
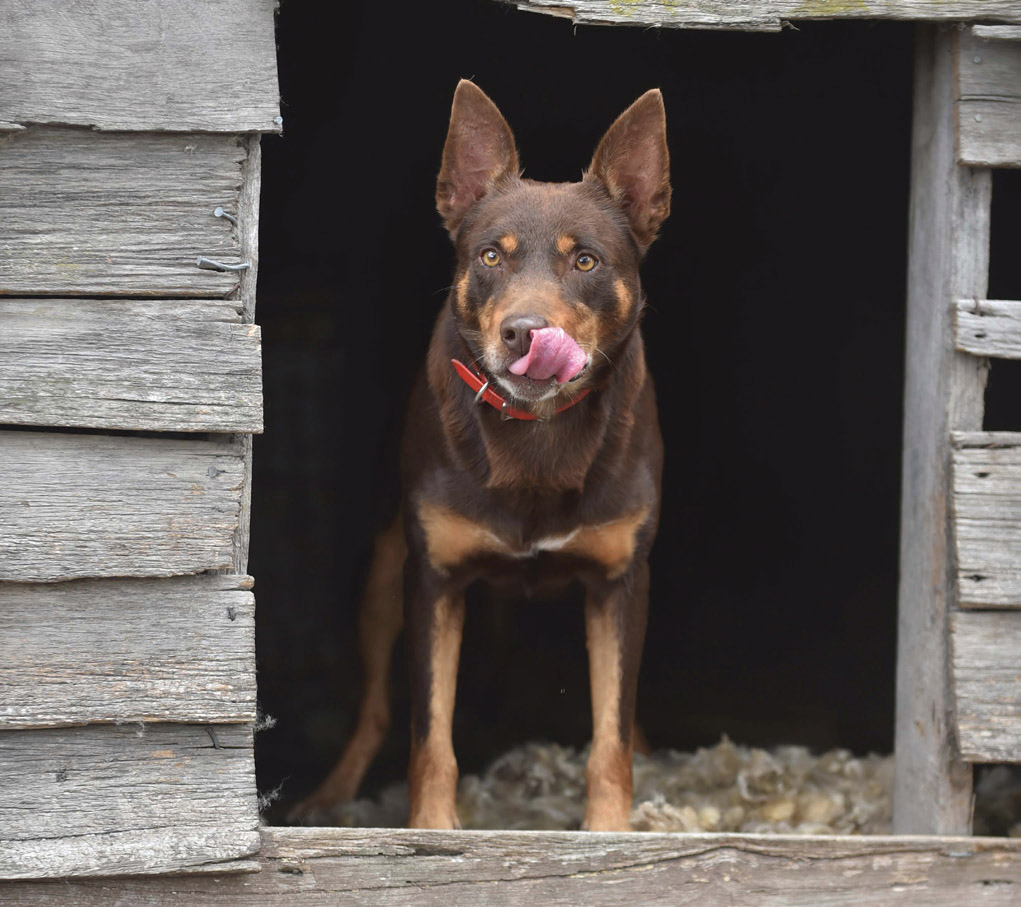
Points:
(615, 617)
(434, 616)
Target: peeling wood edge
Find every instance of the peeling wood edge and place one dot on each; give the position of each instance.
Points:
(997, 32)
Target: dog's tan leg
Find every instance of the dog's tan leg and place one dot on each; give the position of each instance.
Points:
(379, 624)
(615, 630)
(435, 646)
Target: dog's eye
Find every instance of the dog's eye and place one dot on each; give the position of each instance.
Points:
(586, 262)
(490, 258)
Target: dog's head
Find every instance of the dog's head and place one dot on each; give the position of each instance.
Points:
(546, 286)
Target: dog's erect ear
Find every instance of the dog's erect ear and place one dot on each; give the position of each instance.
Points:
(633, 163)
(479, 152)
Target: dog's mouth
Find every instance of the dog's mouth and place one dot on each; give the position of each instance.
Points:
(552, 353)
(553, 359)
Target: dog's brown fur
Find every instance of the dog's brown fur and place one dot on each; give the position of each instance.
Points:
(571, 497)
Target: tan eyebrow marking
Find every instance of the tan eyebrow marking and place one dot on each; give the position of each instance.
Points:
(509, 243)
(565, 243)
(623, 298)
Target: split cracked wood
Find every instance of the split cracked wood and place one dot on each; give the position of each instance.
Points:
(176, 65)
(420, 868)
(988, 327)
(987, 518)
(124, 650)
(96, 214)
(129, 365)
(988, 100)
(80, 505)
(765, 15)
(115, 800)
(987, 684)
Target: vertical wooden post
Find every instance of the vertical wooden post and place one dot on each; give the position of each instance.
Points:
(948, 259)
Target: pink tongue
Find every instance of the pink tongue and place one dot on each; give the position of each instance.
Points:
(553, 352)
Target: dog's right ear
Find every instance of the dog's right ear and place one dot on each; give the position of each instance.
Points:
(479, 153)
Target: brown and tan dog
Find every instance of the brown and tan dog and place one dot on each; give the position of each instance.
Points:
(532, 453)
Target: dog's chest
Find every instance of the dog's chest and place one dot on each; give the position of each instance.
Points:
(454, 540)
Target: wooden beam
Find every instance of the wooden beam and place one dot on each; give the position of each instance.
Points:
(78, 505)
(394, 867)
(127, 365)
(765, 15)
(105, 651)
(125, 800)
(948, 260)
(987, 518)
(988, 327)
(988, 100)
(987, 684)
(177, 65)
(96, 214)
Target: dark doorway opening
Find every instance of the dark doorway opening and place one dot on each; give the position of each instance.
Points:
(775, 333)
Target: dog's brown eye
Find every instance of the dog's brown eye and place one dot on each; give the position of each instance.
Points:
(586, 262)
(490, 258)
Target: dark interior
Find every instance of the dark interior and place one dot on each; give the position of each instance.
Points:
(775, 333)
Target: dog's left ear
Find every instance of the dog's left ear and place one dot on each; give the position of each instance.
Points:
(633, 163)
(479, 152)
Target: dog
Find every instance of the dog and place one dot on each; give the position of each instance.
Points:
(532, 454)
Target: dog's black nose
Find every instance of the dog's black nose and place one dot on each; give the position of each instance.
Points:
(516, 332)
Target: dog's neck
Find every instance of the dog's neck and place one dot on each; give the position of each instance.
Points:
(559, 454)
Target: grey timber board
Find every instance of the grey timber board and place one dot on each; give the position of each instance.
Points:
(988, 327)
(948, 260)
(987, 684)
(989, 101)
(765, 15)
(391, 867)
(84, 213)
(248, 212)
(103, 800)
(987, 518)
(176, 65)
(114, 364)
(127, 650)
(80, 505)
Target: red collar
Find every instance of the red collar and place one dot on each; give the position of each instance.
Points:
(484, 392)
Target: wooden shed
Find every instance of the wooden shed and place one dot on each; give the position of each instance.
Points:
(130, 387)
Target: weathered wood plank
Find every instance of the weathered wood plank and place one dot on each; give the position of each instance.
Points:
(948, 260)
(120, 800)
(112, 364)
(987, 518)
(116, 651)
(988, 327)
(997, 32)
(94, 214)
(988, 101)
(77, 505)
(177, 65)
(987, 684)
(248, 212)
(396, 867)
(765, 15)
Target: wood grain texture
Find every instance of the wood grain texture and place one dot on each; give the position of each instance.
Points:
(118, 800)
(948, 260)
(126, 365)
(988, 327)
(78, 505)
(248, 213)
(988, 101)
(104, 651)
(91, 214)
(765, 15)
(177, 65)
(987, 518)
(390, 867)
(987, 684)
